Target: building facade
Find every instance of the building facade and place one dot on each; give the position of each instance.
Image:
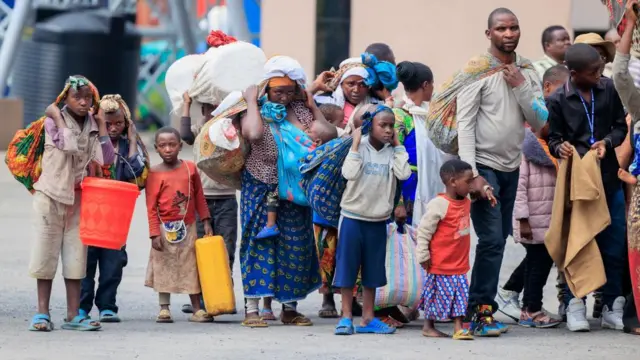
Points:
(441, 34)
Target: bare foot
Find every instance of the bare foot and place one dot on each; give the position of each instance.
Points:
(434, 333)
(627, 177)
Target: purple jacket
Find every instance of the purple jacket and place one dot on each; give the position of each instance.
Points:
(536, 188)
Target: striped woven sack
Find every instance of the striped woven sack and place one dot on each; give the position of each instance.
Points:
(405, 276)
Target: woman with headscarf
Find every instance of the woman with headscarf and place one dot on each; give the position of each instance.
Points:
(353, 82)
(351, 85)
(424, 158)
(284, 267)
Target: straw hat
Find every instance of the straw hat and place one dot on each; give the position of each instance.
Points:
(594, 39)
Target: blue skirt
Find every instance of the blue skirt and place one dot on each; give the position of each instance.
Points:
(445, 296)
(285, 267)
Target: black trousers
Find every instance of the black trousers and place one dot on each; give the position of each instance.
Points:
(531, 276)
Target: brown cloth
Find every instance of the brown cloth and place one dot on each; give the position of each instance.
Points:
(580, 212)
(174, 270)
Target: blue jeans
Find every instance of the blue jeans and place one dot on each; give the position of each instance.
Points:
(110, 263)
(612, 243)
(493, 225)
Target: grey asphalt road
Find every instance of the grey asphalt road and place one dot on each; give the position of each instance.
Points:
(139, 337)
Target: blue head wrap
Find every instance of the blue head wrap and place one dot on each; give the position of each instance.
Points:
(380, 72)
(367, 117)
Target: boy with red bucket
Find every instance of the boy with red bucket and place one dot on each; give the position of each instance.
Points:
(131, 164)
(76, 144)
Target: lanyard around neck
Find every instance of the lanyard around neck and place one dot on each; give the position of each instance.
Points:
(590, 117)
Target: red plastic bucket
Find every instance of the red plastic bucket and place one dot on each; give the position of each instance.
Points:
(106, 210)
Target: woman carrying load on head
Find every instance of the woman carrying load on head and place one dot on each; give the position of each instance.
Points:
(284, 267)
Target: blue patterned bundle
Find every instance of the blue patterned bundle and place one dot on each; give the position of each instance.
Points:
(322, 179)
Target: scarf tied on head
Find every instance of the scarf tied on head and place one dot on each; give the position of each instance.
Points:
(284, 70)
(380, 72)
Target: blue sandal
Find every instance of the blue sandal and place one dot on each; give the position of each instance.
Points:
(81, 323)
(344, 327)
(268, 231)
(41, 319)
(108, 316)
(375, 326)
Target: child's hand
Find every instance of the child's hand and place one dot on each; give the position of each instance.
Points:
(566, 150)
(525, 229)
(396, 138)
(208, 230)
(357, 136)
(131, 133)
(600, 147)
(156, 243)
(400, 214)
(426, 265)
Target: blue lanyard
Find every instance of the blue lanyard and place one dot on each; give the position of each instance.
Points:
(591, 118)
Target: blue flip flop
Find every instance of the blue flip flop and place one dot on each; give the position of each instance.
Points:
(268, 232)
(84, 314)
(41, 319)
(108, 316)
(344, 327)
(375, 326)
(80, 323)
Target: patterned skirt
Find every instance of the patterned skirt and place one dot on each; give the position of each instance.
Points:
(445, 296)
(327, 243)
(284, 267)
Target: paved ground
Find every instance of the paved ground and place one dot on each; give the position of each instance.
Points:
(139, 337)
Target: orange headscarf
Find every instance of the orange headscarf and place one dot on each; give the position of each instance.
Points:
(281, 81)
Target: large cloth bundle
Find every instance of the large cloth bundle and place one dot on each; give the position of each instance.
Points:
(227, 66)
(24, 155)
(322, 178)
(405, 276)
(179, 79)
(442, 118)
(221, 162)
(222, 149)
(231, 68)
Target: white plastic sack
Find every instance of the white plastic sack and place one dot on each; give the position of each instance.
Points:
(223, 134)
(179, 79)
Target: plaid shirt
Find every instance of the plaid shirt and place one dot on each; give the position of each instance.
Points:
(543, 65)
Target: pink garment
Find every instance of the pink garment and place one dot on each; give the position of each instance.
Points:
(536, 189)
(348, 109)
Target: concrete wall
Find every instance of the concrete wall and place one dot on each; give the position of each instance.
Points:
(443, 34)
(288, 27)
(447, 33)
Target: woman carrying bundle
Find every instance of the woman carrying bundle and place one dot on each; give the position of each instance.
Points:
(284, 267)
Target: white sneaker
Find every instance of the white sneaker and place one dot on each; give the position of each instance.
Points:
(612, 319)
(508, 303)
(577, 316)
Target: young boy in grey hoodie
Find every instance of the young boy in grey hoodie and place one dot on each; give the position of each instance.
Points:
(371, 169)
